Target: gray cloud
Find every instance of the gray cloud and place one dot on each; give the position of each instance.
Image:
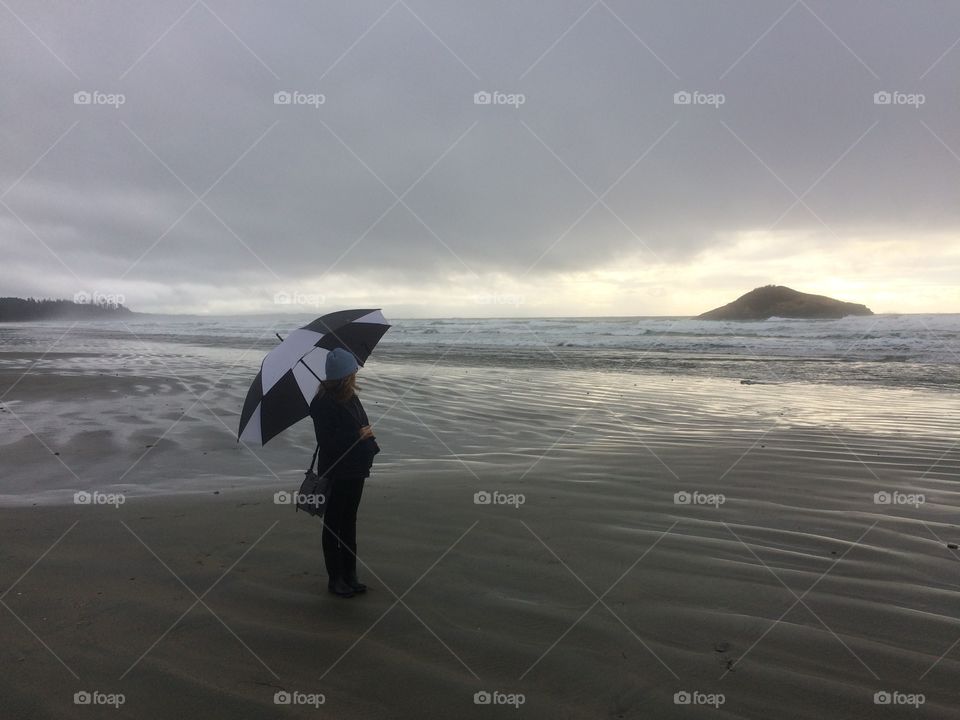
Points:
(293, 191)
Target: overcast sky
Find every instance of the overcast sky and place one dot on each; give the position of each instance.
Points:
(586, 187)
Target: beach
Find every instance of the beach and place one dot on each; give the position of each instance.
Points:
(548, 533)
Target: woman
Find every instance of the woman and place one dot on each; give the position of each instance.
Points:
(347, 447)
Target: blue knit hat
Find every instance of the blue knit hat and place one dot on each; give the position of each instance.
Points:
(340, 363)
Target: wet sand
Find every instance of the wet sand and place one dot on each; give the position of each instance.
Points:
(603, 594)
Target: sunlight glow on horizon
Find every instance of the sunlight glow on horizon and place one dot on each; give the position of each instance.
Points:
(885, 274)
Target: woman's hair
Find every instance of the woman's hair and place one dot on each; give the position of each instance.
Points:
(340, 390)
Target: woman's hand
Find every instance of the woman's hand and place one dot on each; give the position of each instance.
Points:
(366, 432)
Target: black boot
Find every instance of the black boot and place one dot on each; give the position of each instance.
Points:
(338, 586)
(358, 587)
(349, 565)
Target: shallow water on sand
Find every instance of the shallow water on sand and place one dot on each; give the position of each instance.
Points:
(162, 417)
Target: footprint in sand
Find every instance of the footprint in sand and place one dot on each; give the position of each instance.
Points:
(723, 647)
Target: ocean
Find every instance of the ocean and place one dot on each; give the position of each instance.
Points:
(892, 350)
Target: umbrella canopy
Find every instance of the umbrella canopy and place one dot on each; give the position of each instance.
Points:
(291, 373)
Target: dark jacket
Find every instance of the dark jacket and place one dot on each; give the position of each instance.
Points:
(342, 452)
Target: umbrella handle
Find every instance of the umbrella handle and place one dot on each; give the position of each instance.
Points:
(309, 369)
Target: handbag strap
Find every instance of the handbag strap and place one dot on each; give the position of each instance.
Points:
(313, 460)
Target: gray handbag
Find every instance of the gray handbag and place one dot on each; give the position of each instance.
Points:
(314, 489)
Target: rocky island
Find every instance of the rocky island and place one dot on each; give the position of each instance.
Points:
(779, 301)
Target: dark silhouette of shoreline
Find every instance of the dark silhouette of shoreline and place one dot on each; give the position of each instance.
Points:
(26, 309)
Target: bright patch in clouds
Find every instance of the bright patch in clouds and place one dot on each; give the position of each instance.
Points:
(892, 275)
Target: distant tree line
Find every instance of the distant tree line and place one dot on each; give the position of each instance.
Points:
(26, 309)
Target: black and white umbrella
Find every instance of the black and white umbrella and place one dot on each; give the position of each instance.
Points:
(291, 373)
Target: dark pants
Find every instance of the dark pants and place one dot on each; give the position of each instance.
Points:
(340, 527)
